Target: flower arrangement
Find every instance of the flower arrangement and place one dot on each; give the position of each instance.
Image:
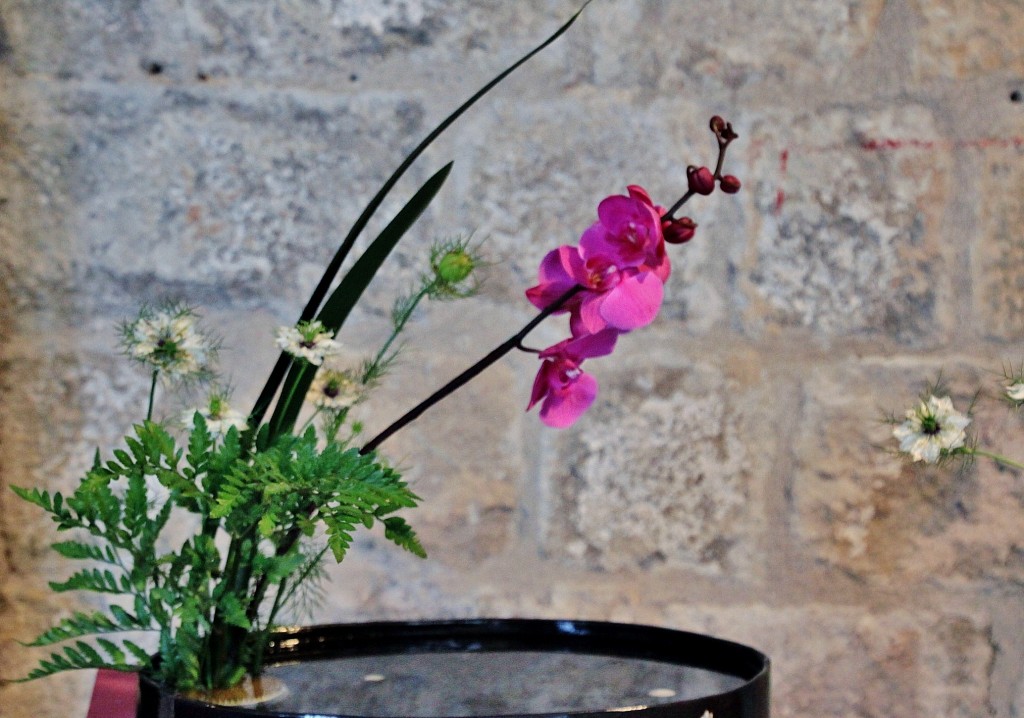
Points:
(273, 491)
(935, 432)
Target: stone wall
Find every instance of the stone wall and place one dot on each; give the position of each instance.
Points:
(729, 478)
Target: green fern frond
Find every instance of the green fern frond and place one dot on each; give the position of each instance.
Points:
(82, 655)
(91, 580)
(87, 624)
(84, 551)
(401, 534)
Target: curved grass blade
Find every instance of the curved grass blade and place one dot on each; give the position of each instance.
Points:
(343, 299)
(284, 361)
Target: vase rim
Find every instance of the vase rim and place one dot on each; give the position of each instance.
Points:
(749, 699)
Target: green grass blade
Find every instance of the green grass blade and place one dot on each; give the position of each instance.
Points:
(284, 361)
(343, 299)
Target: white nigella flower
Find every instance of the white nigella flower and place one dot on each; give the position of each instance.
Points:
(333, 389)
(1016, 391)
(219, 416)
(168, 339)
(309, 341)
(930, 429)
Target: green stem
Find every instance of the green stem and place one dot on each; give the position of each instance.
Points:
(295, 585)
(513, 342)
(998, 458)
(224, 640)
(286, 398)
(399, 324)
(152, 393)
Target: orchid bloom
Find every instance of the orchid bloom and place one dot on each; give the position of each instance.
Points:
(566, 390)
(620, 262)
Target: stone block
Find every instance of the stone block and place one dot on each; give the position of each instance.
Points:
(844, 660)
(37, 271)
(668, 468)
(98, 40)
(308, 44)
(850, 238)
(668, 47)
(221, 199)
(959, 39)
(1000, 257)
(890, 522)
(351, 46)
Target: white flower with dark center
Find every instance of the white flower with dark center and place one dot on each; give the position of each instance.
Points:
(169, 340)
(219, 416)
(333, 389)
(1016, 391)
(309, 341)
(931, 430)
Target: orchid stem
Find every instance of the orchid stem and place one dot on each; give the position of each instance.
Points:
(679, 203)
(722, 147)
(494, 355)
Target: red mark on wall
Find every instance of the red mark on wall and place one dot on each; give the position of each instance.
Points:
(979, 143)
(894, 144)
(780, 194)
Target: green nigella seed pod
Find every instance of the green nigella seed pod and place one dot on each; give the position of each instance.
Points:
(454, 266)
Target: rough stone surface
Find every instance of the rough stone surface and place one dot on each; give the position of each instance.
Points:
(662, 475)
(954, 44)
(861, 663)
(732, 476)
(894, 524)
(847, 218)
(1001, 254)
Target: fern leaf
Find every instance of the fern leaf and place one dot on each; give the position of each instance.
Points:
(135, 504)
(37, 497)
(89, 654)
(141, 654)
(80, 624)
(128, 622)
(80, 656)
(398, 531)
(79, 550)
(111, 649)
(90, 580)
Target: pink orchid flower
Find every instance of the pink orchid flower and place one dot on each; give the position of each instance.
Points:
(621, 263)
(628, 229)
(566, 390)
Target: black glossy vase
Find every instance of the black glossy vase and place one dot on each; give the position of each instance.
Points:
(496, 667)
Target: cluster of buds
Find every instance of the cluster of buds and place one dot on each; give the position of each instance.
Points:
(701, 180)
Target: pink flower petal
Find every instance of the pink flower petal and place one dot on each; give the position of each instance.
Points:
(588, 318)
(589, 346)
(560, 270)
(618, 210)
(637, 192)
(562, 408)
(541, 383)
(634, 302)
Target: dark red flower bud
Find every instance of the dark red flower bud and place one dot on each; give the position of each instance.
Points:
(730, 184)
(678, 231)
(717, 124)
(700, 179)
